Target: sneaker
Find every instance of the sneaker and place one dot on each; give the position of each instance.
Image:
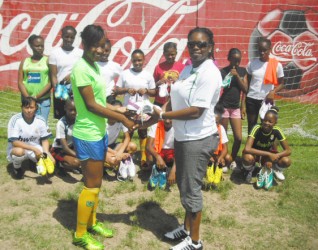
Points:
(123, 170)
(217, 175)
(261, 176)
(177, 234)
(48, 164)
(154, 177)
(58, 91)
(131, 168)
(18, 173)
(40, 167)
(210, 174)
(65, 94)
(187, 244)
(87, 242)
(162, 179)
(233, 165)
(100, 229)
(278, 172)
(269, 179)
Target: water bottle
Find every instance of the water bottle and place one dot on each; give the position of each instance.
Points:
(227, 80)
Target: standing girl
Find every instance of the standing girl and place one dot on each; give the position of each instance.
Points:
(33, 77)
(89, 134)
(231, 99)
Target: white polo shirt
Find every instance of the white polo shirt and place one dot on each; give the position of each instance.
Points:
(110, 71)
(198, 87)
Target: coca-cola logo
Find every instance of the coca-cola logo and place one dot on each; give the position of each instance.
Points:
(299, 49)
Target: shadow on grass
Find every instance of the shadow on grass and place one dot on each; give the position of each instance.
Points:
(150, 217)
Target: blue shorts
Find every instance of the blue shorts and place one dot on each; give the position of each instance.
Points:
(94, 150)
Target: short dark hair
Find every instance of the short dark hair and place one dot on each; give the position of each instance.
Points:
(219, 108)
(91, 35)
(68, 27)
(32, 38)
(26, 101)
(273, 110)
(233, 51)
(264, 40)
(137, 51)
(169, 45)
(208, 33)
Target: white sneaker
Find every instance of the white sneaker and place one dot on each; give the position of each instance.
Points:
(278, 173)
(177, 234)
(233, 165)
(187, 244)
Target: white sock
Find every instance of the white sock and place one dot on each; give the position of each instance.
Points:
(17, 160)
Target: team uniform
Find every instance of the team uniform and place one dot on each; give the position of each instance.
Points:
(63, 131)
(31, 134)
(231, 95)
(165, 69)
(64, 61)
(195, 140)
(110, 71)
(89, 131)
(35, 78)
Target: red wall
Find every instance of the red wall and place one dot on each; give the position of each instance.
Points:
(292, 25)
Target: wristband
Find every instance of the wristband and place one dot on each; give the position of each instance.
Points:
(160, 115)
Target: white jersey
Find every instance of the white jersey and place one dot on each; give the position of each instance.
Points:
(63, 131)
(257, 69)
(110, 71)
(168, 142)
(32, 134)
(114, 130)
(196, 87)
(136, 80)
(64, 61)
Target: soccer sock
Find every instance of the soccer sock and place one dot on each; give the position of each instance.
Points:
(143, 143)
(85, 205)
(17, 160)
(92, 218)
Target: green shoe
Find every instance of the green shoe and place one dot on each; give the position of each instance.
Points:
(87, 242)
(261, 176)
(100, 229)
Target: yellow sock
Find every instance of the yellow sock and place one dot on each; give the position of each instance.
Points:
(85, 205)
(143, 143)
(92, 218)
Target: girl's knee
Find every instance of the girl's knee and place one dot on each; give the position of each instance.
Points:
(248, 159)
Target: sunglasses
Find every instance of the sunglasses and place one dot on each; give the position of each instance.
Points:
(200, 45)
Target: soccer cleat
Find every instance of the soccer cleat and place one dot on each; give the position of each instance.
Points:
(217, 175)
(278, 172)
(65, 95)
(162, 179)
(261, 178)
(187, 244)
(210, 174)
(48, 164)
(87, 242)
(154, 177)
(177, 234)
(58, 91)
(269, 179)
(100, 229)
(40, 167)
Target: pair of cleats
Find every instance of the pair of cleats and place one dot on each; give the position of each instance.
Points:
(213, 174)
(45, 165)
(157, 178)
(265, 178)
(126, 170)
(180, 233)
(87, 241)
(61, 92)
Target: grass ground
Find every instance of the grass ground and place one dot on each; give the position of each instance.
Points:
(37, 213)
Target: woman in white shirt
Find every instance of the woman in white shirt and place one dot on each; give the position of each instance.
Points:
(191, 108)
